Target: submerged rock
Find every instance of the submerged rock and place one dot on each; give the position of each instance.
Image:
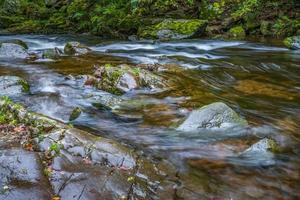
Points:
(215, 115)
(174, 29)
(13, 85)
(292, 42)
(123, 78)
(76, 48)
(11, 50)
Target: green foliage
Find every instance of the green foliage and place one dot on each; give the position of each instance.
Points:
(246, 7)
(285, 26)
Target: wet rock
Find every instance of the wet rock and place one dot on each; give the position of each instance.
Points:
(261, 153)
(292, 42)
(76, 112)
(18, 42)
(22, 174)
(52, 53)
(75, 48)
(121, 79)
(174, 29)
(11, 50)
(215, 115)
(13, 85)
(237, 32)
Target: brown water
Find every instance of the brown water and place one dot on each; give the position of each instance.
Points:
(259, 80)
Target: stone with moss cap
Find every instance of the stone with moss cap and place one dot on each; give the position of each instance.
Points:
(174, 29)
(76, 48)
(215, 115)
(123, 78)
(292, 42)
(237, 32)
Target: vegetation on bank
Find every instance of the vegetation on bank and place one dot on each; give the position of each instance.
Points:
(121, 18)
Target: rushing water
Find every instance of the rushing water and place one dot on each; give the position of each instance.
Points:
(259, 80)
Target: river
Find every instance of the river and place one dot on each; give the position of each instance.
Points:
(258, 79)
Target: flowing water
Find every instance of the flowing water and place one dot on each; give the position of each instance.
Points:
(259, 80)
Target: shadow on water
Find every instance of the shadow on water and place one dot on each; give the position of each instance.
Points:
(258, 80)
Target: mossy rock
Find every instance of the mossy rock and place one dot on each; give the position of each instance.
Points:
(75, 48)
(18, 42)
(292, 42)
(174, 29)
(121, 79)
(237, 32)
(76, 112)
(265, 28)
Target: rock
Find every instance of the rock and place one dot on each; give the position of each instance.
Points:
(237, 32)
(75, 114)
(52, 53)
(121, 79)
(292, 42)
(10, 50)
(261, 153)
(174, 29)
(18, 42)
(265, 28)
(75, 48)
(215, 115)
(13, 85)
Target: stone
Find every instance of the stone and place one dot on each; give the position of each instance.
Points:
(261, 153)
(52, 53)
(18, 42)
(76, 112)
(292, 42)
(11, 50)
(13, 85)
(215, 115)
(173, 29)
(121, 79)
(237, 32)
(75, 48)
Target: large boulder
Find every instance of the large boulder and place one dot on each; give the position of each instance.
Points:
(123, 78)
(292, 42)
(215, 115)
(174, 29)
(13, 85)
(76, 48)
(11, 50)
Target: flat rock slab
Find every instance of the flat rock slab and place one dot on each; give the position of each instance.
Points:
(21, 176)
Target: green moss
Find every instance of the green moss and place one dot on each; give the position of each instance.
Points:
(292, 42)
(237, 32)
(76, 112)
(181, 27)
(25, 85)
(273, 146)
